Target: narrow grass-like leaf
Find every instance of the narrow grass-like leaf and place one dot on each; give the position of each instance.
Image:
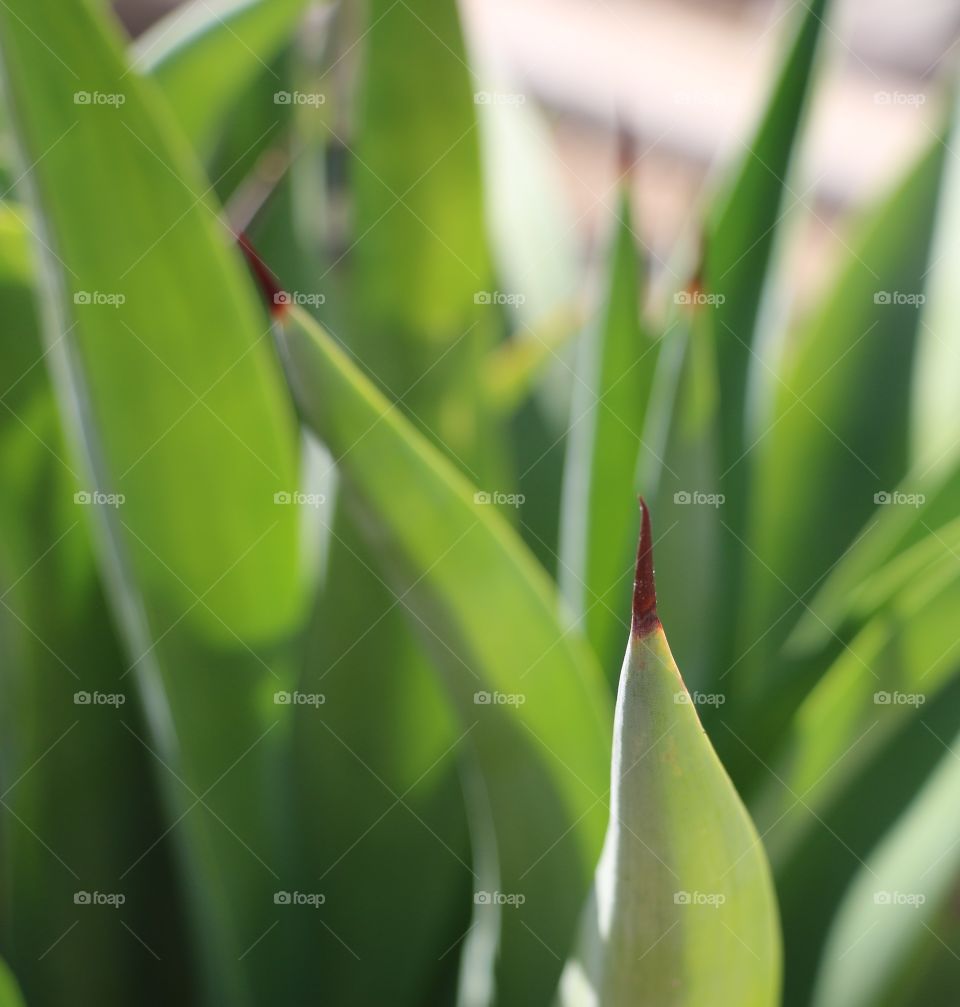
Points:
(683, 911)
(917, 511)
(525, 687)
(615, 368)
(740, 237)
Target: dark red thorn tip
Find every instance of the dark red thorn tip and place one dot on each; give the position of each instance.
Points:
(273, 293)
(645, 619)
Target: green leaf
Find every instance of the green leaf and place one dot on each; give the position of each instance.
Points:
(741, 235)
(165, 374)
(65, 766)
(911, 523)
(898, 662)
(839, 417)
(415, 156)
(683, 911)
(895, 937)
(614, 369)
(742, 229)
(9, 993)
(205, 55)
(524, 686)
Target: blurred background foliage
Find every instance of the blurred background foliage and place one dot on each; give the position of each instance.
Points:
(259, 604)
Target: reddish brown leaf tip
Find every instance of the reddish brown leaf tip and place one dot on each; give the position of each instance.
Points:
(645, 619)
(273, 293)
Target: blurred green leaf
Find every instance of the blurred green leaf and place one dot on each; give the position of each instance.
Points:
(205, 54)
(615, 368)
(740, 236)
(683, 911)
(67, 768)
(898, 662)
(149, 316)
(433, 313)
(911, 523)
(896, 936)
(741, 232)
(9, 993)
(840, 418)
(526, 689)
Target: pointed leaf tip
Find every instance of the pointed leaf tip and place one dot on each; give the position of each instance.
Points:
(645, 618)
(273, 294)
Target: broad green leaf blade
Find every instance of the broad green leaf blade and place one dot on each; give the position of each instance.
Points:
(683, 911)
(896, 936)
(840, 418)
(615, 368)
(206, 54)
(166, 377)
(524, 686)
(416, 187)
(382, 749)
(65, 766)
